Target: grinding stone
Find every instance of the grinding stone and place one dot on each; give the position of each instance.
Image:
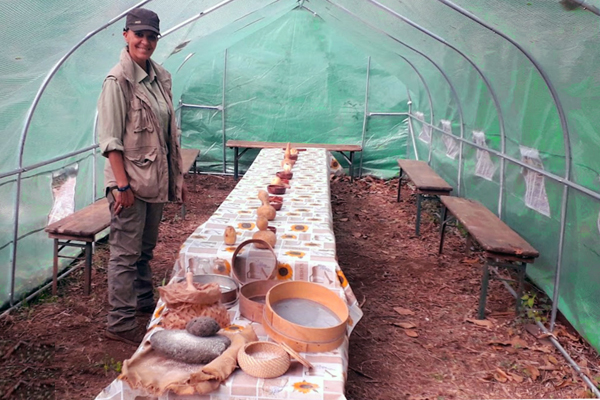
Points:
(202, 326)
(181, 345)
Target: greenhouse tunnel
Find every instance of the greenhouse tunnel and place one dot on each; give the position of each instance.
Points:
(498, 97)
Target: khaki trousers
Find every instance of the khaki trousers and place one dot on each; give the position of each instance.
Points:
(133, 236)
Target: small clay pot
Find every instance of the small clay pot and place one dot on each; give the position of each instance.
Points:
(285, 175)
(276, 189)
(276, 205)
(275, 199)
(293, 157)
(272, 229)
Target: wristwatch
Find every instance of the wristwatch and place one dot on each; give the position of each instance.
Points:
(124, 188)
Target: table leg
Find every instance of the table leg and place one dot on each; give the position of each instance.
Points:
(236, 157)
(55, 269)
(442, 227)
(418, 224)
(87, 272)
(484, 287)
(195, 173)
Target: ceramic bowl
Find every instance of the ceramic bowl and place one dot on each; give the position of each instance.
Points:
(285, 175)
(276, 189)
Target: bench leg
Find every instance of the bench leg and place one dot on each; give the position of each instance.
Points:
(399, 185)
(236, 157)
(521, 284)
(443, 213)
(418, 224)
(484, 287)
(351, 166)
(55, 269)
(469, 244)
(87, 272)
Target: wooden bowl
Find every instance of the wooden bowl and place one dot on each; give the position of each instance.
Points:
(263, 359)
(301, 336)
(275, 199)
(293, 156)
(252, 298)
(276, 189)
(285, 175)
(276, 205)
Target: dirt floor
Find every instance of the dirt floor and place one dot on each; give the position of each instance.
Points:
(418, 338)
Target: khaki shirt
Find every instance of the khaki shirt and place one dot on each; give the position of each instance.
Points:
(112, 109)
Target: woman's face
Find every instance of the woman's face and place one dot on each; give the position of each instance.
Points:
(141, 45)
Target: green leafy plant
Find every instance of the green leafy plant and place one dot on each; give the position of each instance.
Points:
(111, 365)
(534, 307)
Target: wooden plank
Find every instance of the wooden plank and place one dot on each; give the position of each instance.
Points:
(83, 223)
(272, 145)
(487, 229)
(189, 157)
(423, 176)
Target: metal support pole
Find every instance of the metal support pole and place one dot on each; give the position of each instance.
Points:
(223, 112)
(366, 114)
(428, 97)
(94, 160)
(410, 127)
(561, 244)
(384, 114)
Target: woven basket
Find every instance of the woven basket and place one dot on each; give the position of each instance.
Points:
(263, 359)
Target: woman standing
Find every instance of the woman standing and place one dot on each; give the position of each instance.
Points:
(139, 136)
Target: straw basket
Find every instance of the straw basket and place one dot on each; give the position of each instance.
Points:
(263, 359)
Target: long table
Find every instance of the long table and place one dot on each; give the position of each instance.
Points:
(245, 145)
(305, 250)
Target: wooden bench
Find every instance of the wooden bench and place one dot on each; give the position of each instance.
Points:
(81, 226)
(502, 246)
(427, 182)
(340, 148)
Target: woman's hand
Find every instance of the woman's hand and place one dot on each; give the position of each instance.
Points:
(123, 200)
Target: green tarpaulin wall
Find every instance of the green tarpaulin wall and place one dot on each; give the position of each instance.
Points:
(500, 97)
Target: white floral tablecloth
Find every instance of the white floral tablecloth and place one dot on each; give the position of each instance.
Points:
(305, 250)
